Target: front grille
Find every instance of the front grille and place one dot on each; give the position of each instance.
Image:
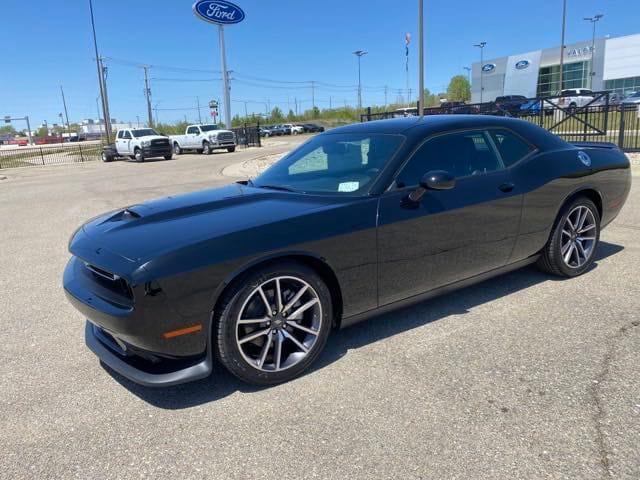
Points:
(160, 142)
(225, 137)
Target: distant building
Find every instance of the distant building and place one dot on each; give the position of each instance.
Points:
(96, 127)
(616, 67)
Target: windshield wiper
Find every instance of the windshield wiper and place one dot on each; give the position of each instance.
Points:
(276, 187)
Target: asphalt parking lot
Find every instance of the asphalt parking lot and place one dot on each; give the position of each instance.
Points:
(524, 376)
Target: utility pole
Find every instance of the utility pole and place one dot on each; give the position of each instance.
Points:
(421, 57)
(481, 46)
(296, 103)
(246, 115)
(386, 89)
(199, 114)
(105, 107)
(409, 95)
(330, 102)
(593, 21)
(225, 78)
(564, 24)
(313, 94)
(64, 103)
(147, 94)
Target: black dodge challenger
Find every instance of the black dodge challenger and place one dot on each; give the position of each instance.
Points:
(356, 221)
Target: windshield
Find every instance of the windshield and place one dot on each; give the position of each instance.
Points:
(208, 128)
(144, 132)
(333, 163)
(634, 95)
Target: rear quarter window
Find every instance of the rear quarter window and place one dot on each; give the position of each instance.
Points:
(511, 147)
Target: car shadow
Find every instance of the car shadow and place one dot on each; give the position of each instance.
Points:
(221, 383)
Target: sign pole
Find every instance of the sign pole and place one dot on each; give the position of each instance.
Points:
(225, 78)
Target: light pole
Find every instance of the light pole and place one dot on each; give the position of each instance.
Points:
(468, 69)
(420, 57)
(105, 106)
(359, 54)
(593, 21)
(481, 46)
(564, 24)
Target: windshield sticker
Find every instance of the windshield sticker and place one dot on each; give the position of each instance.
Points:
(348, 186)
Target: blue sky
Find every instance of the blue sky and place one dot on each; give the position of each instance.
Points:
(45, 44)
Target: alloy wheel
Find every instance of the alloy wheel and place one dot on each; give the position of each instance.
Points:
(578, 238)
(279, 323)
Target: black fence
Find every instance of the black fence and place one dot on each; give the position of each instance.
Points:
(15, 156)
(595, 119)
(248, 135)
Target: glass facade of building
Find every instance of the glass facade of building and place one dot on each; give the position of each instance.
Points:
(623, 86)
(575, 75)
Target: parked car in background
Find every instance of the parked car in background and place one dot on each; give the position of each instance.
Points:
(293, 129)
(312, 128)
(279, 130)
(573, 98)
(614, 101)
(447, 107)
(142, 143)
(630, 101)
(465, 109)
(204, 139)
(510, 103)
(265, 131)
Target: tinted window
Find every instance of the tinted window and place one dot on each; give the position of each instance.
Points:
(126, 134)
(335, 163)
(120, 134)
(207, 128)
(192, 130)
(511, 147)
(461, 154)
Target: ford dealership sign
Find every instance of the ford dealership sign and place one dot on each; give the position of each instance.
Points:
(522, 64)
(488, 67)
(220, 12)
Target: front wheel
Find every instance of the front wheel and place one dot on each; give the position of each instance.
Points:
(273, 324)
(106, 157)
(231, 149)
(574, 239)
(206, 148)
(168, 157)
(137, 154)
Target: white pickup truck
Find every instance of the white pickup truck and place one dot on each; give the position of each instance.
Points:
(574, 98)
(204, 139)
(141, 143)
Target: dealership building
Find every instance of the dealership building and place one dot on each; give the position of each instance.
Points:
(616, 67)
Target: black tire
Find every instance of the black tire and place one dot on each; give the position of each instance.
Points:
(176, 149)
(137, 154)
(231, 149)
(206, 148)
(106, 157)
(168, 157)
(551, 260)
(225, 323)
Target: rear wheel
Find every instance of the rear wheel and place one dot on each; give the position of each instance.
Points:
(106, 157)
(206, 148)
(176, 149)
(231, 149)
(574, 239)
(137, 154)
(168, 157)
(273, 324)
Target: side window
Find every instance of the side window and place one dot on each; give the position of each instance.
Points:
(460, 153)
(127, 134)
(511, 147)
(192, 130)
(120, 134)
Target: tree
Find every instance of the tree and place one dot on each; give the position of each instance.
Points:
(7, 130)
(459, 89)
(42, 132)
(276, 115)
(291, 116)
(430, 100)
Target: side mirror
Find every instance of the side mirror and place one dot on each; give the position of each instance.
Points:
(433, 180)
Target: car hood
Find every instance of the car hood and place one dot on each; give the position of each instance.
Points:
(144, 231)
(152, 137)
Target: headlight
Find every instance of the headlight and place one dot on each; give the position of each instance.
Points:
(146, 143)
(213, 137)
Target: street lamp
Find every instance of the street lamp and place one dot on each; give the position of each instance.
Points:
(468, 69)
(593, 21)
(481, 46)
(564, 27)
(359, 54)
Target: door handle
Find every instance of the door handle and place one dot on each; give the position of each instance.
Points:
(506, 187)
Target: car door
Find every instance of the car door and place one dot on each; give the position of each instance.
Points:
(126, 143)
(193, 140)
(120, 143)
(449, 235)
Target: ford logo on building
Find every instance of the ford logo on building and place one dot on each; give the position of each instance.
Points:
(488, 67)
(218, 11)
(522, 64)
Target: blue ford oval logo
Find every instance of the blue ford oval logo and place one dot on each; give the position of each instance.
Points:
(218, 11)
(522, 64)
(584, 158)
(488, 67)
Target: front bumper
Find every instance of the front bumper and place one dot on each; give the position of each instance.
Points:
(131, 366)
(157, 151)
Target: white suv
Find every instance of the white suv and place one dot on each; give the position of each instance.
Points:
(574, 98)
